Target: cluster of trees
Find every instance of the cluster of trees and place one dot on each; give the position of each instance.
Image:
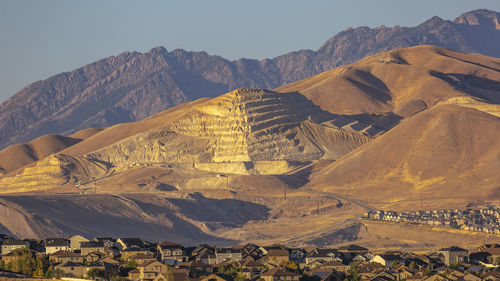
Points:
(234, 272)
(24, 261)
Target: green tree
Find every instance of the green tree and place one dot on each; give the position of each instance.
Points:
(353, 272)
(395, 263)
(132, 264)
(412, 265)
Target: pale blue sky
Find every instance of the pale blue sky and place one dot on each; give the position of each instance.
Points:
(43, 38)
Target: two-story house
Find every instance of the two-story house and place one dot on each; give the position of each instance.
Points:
(10, 245)
(53, 245)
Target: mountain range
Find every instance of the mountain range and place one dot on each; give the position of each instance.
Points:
(407, 129)
(132, 86)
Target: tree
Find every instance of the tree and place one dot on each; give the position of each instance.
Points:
(353, 272)
(412, 265)
(132, 264)
(395, 263)
(95, 273)
(427, 270)
(38, 268)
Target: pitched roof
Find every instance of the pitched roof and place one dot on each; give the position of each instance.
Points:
(278, 253)
(279, 272)
(65, 254)
(69, 263)
(142, 256)
(56, 242)
(452, 249)
(92, 244)
(317, 253)
(132, 241)
(352, 248)
(13, 242)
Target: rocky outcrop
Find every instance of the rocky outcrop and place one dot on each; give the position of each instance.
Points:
(240, 132)
(132, 85)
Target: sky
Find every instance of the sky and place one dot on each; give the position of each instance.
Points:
(39, 39)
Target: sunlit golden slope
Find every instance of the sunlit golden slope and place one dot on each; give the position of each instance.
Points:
(247, 131)
(390, 81)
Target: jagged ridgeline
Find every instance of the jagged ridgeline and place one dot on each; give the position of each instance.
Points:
(247, 131)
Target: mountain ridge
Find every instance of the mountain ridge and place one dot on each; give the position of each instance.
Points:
(132, 85)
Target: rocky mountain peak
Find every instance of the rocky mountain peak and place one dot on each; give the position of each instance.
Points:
(480, 17)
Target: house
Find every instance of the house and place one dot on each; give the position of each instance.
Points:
(125, 243)
(74, 242)
(225, 254)
(134, 250)
(171, 253)
(10, 245)
(149, 271)
(99, 265)
(320, 254)
(53, 245)
(141, 258)
(324, 274)
(250, 251)
(111, 252)
(454, 255)
(72, 269)
(387, 260)
(111, 267)
(297, 255)
(180, 274)
(65, 256)
(107, 241)
(196, 268)
(278, 255)
(94, 256)
(276, 274)
(206, 255)
(370, 269)
(493, 255)
(89, 247)
(252, 268)
(337, 266)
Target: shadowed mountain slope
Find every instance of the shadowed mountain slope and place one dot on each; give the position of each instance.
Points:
(450, 153)
(132, 85)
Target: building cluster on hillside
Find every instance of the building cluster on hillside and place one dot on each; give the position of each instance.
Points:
(135, 259)
(485, 220)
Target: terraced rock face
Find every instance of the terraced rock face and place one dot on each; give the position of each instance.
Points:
(242, 126)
